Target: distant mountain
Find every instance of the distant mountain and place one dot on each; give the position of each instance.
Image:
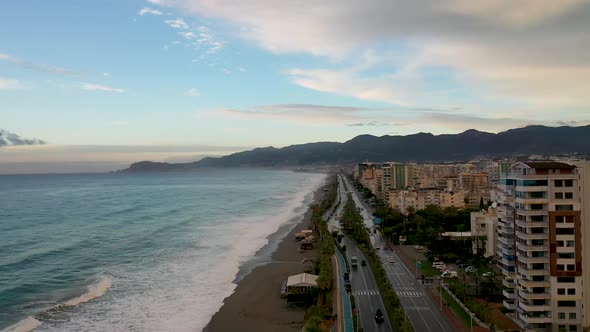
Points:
(8, 138)
(419, 147)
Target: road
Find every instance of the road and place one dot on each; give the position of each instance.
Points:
(366, 292)
(424, 314)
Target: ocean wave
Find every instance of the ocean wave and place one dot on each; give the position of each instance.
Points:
(95, 290)
(25, 325)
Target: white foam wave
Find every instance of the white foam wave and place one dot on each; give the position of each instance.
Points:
(184, 291)
(95, 290)
(25, 325)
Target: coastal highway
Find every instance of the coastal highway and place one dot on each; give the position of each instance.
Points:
(424, 314)
(365, 291)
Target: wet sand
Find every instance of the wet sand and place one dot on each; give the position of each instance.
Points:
(256, 304)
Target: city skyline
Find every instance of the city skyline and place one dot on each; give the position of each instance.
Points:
(174, 80)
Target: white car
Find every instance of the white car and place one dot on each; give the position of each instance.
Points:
(391, 260)
(470, 269)
(488, 274)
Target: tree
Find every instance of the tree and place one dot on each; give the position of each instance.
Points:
(481, 203)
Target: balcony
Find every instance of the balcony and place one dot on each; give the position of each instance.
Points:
(532, 307)
(523, 212)
(509, 295)
(530, 283)
(529, 259)
(508, 282)
(505, 240)
(524, 223)
(533, 296)
(534, 319)
(532, 188)
(530, 272)
(509, 305)
(533, 236)
(530, 247)
(532, 200)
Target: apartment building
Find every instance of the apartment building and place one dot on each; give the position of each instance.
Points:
(540, 245)
(483, 231)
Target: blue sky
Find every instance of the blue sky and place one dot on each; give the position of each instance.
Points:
(213, 77)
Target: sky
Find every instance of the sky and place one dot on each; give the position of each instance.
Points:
(110, 82)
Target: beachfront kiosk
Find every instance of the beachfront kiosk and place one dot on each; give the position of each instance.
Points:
(301, 283)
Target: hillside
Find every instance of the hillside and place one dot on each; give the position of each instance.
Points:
(419, 147)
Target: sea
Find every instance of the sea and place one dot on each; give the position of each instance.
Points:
(137, 252)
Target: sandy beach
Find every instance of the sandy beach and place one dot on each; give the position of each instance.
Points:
(255, 304)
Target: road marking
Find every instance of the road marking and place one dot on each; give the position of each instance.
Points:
(419, 308)
(366, 292)
(411, 294)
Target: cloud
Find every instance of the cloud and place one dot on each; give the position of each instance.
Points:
(530, 51)
(11, 139)
(9, 83)
(376, 124)
(178, 23)
(193, 92)
(151, 11)
(38, 67)
(97, 87)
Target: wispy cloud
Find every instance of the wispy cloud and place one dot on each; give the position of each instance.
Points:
(38, 67)
(97, 87)
(193, 92)
(150, 11)
(10, 84)
(178, 23)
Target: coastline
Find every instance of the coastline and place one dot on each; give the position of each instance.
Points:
(255, 304)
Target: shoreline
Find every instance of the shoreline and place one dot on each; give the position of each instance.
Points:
(255, 304)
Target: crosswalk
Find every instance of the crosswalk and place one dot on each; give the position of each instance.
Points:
(366, 292)
(410, 294)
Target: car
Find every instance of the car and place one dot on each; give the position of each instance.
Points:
(459, 262)
(488, 274)
(379, 316)
(470, 269)
(427, 253)
(363, 263)
(348, 286)
(462, 266)
(449, 274)
(346, 276)
(377, 247)
(391, 260)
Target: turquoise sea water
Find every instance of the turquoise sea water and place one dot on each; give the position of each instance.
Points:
(135, 252)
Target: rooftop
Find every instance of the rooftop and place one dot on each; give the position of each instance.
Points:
(548, 165)
(302, 279)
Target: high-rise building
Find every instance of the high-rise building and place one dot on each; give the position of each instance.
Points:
(540, 245)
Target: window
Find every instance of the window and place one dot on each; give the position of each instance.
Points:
(559, 183)
(569, 195)
(570, 243)
(561, 315)
(537, 218)
(560, 267)
(564, 207)
(571, 267)
(560, 244)
(566, 279)
(561, 291)
(564, 231)
(573, 328)
(569, 183)
(558, 195)
(570, 304)
(565, 255)
(559, 219)
(537, 194)
(536, 206)
(571, 291)
(572, 315)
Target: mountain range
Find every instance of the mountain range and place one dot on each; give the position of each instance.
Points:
(421, 147)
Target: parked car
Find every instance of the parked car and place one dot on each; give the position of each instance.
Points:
(348, 286)
(449, 274)
(346, 276)
(462, 266)
(377, 247)
(379, 316)
(488, 274)
(363, 263)
(470, 269)
(459, 262)
(427, 253)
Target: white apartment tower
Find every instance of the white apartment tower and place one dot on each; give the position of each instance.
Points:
(540, 245)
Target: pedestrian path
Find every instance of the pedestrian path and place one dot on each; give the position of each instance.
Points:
(411, 294)
(366, 292)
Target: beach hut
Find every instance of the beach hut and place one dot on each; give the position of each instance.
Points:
(301, 283)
